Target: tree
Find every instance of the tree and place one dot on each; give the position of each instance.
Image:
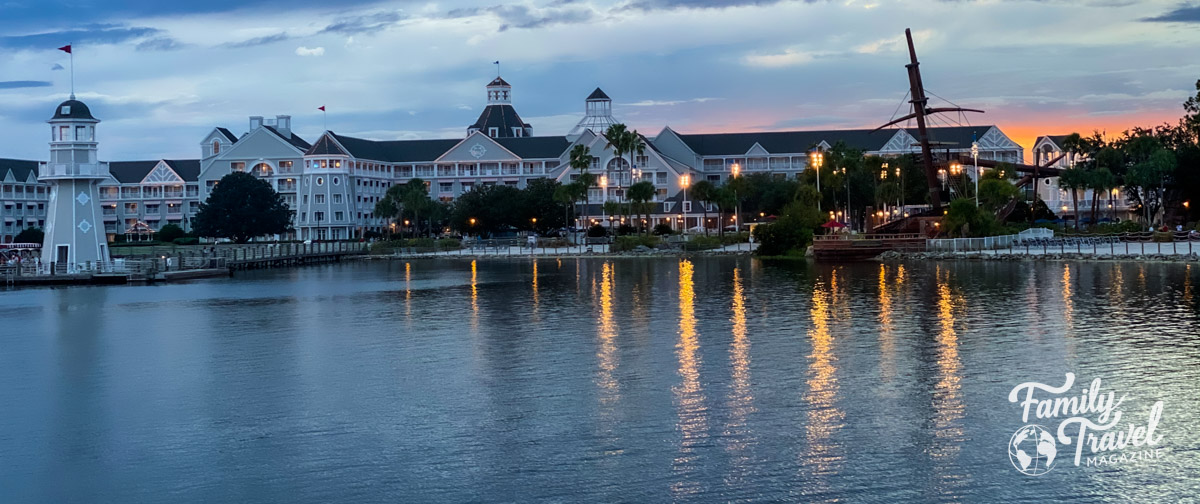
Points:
(564, 195)
(995, 193)
(964, 219)
(408, 199)
(30, 235)
(1073, 179)
(1146, 180)
(170, 233)
(704, 192)
(540, 203)
(1099, 180)
(242, 207)
(640, 194)
(581, 160)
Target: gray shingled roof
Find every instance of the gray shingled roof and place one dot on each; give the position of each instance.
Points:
(502, 117)
(783, 142)
(598, 95)
(228, 134)
(498, 82)
(1057, 139)
(132, 172)
(394, 151)
(298, 142)
(19, 168)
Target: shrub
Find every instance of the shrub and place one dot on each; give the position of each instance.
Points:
(663, 228)
(186, 240)
(416, 244)
(597, 231)
(702, 243)
(624, 243)
(626, 229)
(169, 233)
(30, 235)
(781, 237)
(732, 238)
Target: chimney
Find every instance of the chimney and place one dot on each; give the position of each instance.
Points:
(283, 123)
(255, 122)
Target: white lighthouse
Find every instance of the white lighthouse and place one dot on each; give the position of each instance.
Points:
(75, 239)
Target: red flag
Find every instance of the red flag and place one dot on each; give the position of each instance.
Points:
(66, 48)
(321, 108)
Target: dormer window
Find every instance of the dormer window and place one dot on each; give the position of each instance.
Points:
(66, 110)
(216, 147)
(492, 132)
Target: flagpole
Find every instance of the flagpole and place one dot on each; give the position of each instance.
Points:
(72, 53)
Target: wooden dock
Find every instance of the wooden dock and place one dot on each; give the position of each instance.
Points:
(847, 247)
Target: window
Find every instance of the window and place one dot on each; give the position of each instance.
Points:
(687, 206)
(319, 216)
(285, 166)
(492, 132)
(305, 199)
(131, 208)
(80, 133)
(216, 147)
(262, 170)
(64, 133)
(152, 209)
(337, 180)
(320, 181)
(237, 166)
(337, 198)
(337, 216)
(446, 187)
(319, 199)
(193, 206)
(303, 216)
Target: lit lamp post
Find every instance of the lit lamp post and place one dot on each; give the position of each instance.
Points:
(975, 158)
(685, 180)
(816, 159)
(735, 170)
(846, 175)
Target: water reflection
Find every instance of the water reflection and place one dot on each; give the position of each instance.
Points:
(689, 396)
(408, 292)
(823, 456)
(948, 407)
(739, 436)
(474, 296)
(887, 338)
(607, 333)
(535, 289)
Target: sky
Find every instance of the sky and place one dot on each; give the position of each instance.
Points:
(161, 75)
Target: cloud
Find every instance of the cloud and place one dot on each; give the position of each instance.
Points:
(16, 84)
(257, 41)
(524, 17)
(159, 44)
(789, 57)
(366, 23)
(896, 43)
(667, 103)
(304, 51)
(57, 67)
(1183, 13)
(699, 4)
(89, 34)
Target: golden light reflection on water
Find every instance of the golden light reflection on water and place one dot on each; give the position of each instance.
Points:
(887, 336)
(741, 396)
(607, 333)
(1068, 300)
(823, 456)
(948, 407)
(535, 287)
(474, 296)
(1187, 284)
(689, 396)
(408, 292)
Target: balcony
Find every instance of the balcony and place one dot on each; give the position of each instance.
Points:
(285, 186)
(59, 171)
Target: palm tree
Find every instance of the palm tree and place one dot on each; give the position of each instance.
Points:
(704, 192)
(640, 194)
(1073, 179)
(618, 139)
(565, 195)
(581, 160)
(1100, 180)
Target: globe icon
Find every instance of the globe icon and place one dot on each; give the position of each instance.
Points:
(1032, 450)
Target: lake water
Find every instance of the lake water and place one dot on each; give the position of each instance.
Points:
(641, 380)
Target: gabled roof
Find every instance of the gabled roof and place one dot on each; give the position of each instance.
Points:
(782, 142)
(132, 172)
(535, 147)
(291, 138)
(598, 95)
(19, 168)
(1056, 139)
(502, 117)
(227, 134)
(498, 82)
(393, 151)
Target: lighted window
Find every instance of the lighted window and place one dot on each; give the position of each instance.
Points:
(320, 181)
(216, 147)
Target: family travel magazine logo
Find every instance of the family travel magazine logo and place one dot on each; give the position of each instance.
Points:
(1057, 420)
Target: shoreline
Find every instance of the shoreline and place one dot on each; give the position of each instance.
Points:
(1046, 257)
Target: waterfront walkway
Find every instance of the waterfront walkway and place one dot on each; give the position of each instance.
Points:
(572, 251)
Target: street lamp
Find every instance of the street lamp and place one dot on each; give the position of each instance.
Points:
(816, 159)
(685, 180)
(975, 158)
(737, 169)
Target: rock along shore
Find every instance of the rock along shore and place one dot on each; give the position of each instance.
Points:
(1068, 256)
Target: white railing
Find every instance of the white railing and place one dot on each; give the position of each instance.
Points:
(985, 243)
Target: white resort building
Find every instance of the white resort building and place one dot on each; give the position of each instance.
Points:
(1112, 205)
(333, 183)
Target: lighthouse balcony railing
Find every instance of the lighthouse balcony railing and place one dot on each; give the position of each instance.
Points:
(52, 170)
